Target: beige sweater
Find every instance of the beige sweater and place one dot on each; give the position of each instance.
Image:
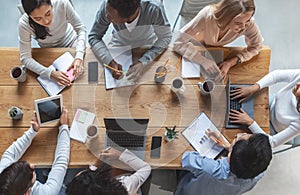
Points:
(204, 31)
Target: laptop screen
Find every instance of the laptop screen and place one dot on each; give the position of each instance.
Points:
(127, 124)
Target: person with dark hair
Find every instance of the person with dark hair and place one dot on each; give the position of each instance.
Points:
(52, 23)
(218, 25)
(136, 23)
(19, 178)
(249, 156)
(284, 105)
(98, 178)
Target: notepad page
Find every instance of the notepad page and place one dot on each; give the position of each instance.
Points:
(63, 62)
(190, 69)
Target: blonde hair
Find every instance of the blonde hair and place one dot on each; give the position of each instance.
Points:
(226, 10)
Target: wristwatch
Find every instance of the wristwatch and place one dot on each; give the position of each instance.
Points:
(238, 60)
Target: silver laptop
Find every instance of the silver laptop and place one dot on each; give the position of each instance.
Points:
(127, 133)
(247, 106)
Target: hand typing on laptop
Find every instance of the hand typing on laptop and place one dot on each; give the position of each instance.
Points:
(240, 117)
(244, 93)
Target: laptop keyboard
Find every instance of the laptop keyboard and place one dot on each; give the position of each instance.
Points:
(124, 140)
(234, 104)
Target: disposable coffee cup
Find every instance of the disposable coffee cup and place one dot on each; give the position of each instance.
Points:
(177, 85)
(207, 87)
(160, 75)
(92, 131)
(18, 73)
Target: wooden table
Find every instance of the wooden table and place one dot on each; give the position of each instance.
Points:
(146, 100)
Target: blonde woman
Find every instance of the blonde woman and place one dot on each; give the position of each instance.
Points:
(217, 25)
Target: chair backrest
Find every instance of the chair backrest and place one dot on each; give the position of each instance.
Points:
(190, 8)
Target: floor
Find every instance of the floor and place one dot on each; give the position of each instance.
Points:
(279, 25)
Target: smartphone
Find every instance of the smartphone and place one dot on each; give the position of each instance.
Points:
(155, 147)
(93, 72)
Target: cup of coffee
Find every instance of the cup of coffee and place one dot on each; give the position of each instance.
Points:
(18, 73)
(177, 85)
(206, 87)
(92, 131)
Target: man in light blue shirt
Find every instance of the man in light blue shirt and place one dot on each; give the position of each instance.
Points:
(249, 156)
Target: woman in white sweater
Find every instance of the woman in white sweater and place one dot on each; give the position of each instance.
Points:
(52, 23)
(284, 109)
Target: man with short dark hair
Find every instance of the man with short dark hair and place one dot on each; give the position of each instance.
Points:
(136, 23)
(249, 156)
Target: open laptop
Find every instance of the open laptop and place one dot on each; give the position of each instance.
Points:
(247, 106)
(127, 133)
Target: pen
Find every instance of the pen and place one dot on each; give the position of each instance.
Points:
(116, 70)
(166, 62)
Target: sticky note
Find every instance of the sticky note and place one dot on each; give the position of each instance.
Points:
(81, 116)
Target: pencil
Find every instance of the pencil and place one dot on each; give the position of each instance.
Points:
(116, 70)
(218, 141)
(166, 62)
(178, 63)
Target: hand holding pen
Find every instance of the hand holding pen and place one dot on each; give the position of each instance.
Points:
(217, 138)
(116, 69)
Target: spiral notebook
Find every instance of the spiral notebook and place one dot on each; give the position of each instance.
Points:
(61, 64)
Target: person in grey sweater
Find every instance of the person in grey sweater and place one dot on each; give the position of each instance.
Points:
(52, 23)
(18, 177)
(136, 23)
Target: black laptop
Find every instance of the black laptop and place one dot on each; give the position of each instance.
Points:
(247, 106)
(127, 133)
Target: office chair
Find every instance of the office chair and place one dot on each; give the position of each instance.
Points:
(290, 144)
(190, 8)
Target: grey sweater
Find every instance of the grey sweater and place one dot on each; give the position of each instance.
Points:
(66, 29)
(152, 29)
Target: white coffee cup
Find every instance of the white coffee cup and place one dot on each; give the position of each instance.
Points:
(15, 112)
(177, 85)
(92, 131)
(18, 73)
(207, 87)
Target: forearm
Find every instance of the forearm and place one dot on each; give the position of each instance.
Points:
(277, 76)
(17, 149)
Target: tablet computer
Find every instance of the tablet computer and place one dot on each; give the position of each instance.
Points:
(48, 109)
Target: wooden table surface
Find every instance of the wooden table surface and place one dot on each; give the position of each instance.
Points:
(145, 100)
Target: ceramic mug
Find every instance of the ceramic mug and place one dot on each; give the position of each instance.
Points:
(15, 112)
(207, 87)
(177, 85)
(92, 131)
(18, 73)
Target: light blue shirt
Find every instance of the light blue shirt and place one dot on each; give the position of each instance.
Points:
(208, 176)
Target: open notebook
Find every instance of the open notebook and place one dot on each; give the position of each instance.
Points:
(123, 56)
(61, 63)
(195, 135)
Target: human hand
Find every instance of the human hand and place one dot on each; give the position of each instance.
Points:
(217, 138)
(135, 72)
(116, 74)
(110, 154)
(240, 117)
(78, 67)
(60, 77)
(244, 93)
(34, 122)
(64, 116)
(224, 68)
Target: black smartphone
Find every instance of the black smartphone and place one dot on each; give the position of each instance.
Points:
(92, 72)
(155, 147)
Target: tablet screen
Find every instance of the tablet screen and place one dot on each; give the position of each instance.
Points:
(49, 110)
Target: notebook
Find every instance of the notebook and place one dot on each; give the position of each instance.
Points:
(61, 63)
(190, 69)
(196, 136)
(81, 121)
(127, 133)
(123, 56)
(247, 106)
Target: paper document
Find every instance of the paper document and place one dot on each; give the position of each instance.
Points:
(123, 56)
(190, 69)
(62, 63)
(196, 136)
(81, 121)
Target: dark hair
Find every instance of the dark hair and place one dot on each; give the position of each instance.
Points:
(16, 179)
(100, 181)
(226, 10)
(250, 157)
(298, 105)
(125, 8)
(41, 32)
